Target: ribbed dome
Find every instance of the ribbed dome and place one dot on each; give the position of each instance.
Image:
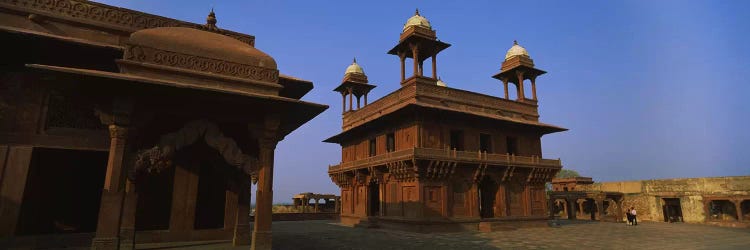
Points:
(516, 50)
(417, 20)
(201, 43)
(354, 68)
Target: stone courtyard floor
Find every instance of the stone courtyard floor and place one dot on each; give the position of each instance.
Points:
(583, 235)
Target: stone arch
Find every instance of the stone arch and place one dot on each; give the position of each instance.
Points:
(160, 156)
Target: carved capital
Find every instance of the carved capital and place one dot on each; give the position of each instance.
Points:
(118, 132)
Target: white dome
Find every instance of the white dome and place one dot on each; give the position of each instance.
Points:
(441, 83)
(516, 50)
(417, 20)
(354, 68)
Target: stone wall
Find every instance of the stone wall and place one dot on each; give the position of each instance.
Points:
(646, 195)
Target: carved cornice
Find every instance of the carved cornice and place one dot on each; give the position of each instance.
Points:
(446, 98)
(201, 64)
(120, 18)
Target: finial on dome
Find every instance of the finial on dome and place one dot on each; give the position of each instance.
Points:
(515, 42)
(355, 60)
(211, 21)
(416, 13)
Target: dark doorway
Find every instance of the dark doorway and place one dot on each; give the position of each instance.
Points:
(390, 142)
(373, 149)
(457, 140)
(512, 145)
(672, 210)
(154, 206)
(485, 144)
(374, 197)
(487, 193)
(211, 200)
(63, 192)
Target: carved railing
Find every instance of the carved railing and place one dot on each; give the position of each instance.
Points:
(449, 155)
(464, 100)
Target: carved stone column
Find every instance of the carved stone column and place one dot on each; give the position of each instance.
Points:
(434, 66)
(110, 211)
(264, 195)
(505, 86)
(580, 207)
(533, 87)
(127, 228)
(521, 95)
(599, 209)
(738, 209)
(415, 55)
(337, 203)
(402, 58)
(242, 235)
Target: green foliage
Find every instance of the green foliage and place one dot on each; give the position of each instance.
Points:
(567, 173)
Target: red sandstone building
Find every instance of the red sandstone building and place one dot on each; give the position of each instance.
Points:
(120, 127)
(429, 157)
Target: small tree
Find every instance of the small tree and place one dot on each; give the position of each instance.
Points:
(564, 173)
(567, 173)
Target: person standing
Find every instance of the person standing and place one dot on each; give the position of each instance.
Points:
(634, 216)
(630, 217)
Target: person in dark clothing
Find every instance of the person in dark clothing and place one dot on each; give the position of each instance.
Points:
(634, 214)
(630, 217)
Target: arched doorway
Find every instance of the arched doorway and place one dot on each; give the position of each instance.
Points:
(487, 193)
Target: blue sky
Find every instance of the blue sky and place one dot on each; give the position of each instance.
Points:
(648, 89)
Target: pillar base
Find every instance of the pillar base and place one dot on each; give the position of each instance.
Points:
(127, 238)
(242, 235)
(261, 240)
(101, 243)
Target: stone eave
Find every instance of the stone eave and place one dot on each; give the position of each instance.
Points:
(301, 111)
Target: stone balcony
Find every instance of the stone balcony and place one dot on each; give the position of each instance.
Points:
(448, 155)
(422, 92)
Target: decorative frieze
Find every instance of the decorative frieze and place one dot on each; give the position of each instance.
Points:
(201, 64)
(89, 11)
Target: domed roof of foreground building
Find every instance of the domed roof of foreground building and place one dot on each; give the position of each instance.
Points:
(200, 43)
(354, 68)
(417, 20)
(516, 50)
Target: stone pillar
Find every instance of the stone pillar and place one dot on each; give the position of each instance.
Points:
(365, 99)
(599, 209)
(110, 210)
(316, 206)
(343, 102)
(533, 88)
(580, 207)
(358, 98)
(520, 85)
(14, 169)
(505, 86)
(421, 68)
(337, 205)
(242, 235)
(127, 228)
(264, 195)
(402, 58)
(571, 209)
(415, 54)
(434, 66)
(350, 98)
(738, 209)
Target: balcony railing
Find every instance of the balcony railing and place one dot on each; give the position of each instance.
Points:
(445, 154)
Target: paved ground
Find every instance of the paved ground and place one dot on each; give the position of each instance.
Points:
(327, 235)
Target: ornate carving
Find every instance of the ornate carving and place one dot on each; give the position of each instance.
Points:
(68, 112)
(201, 64)
(341, 179)
(403, 170)
(128, 19)
(160, 156)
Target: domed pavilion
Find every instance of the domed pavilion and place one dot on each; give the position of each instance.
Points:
(126, 128)
(428, 157)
